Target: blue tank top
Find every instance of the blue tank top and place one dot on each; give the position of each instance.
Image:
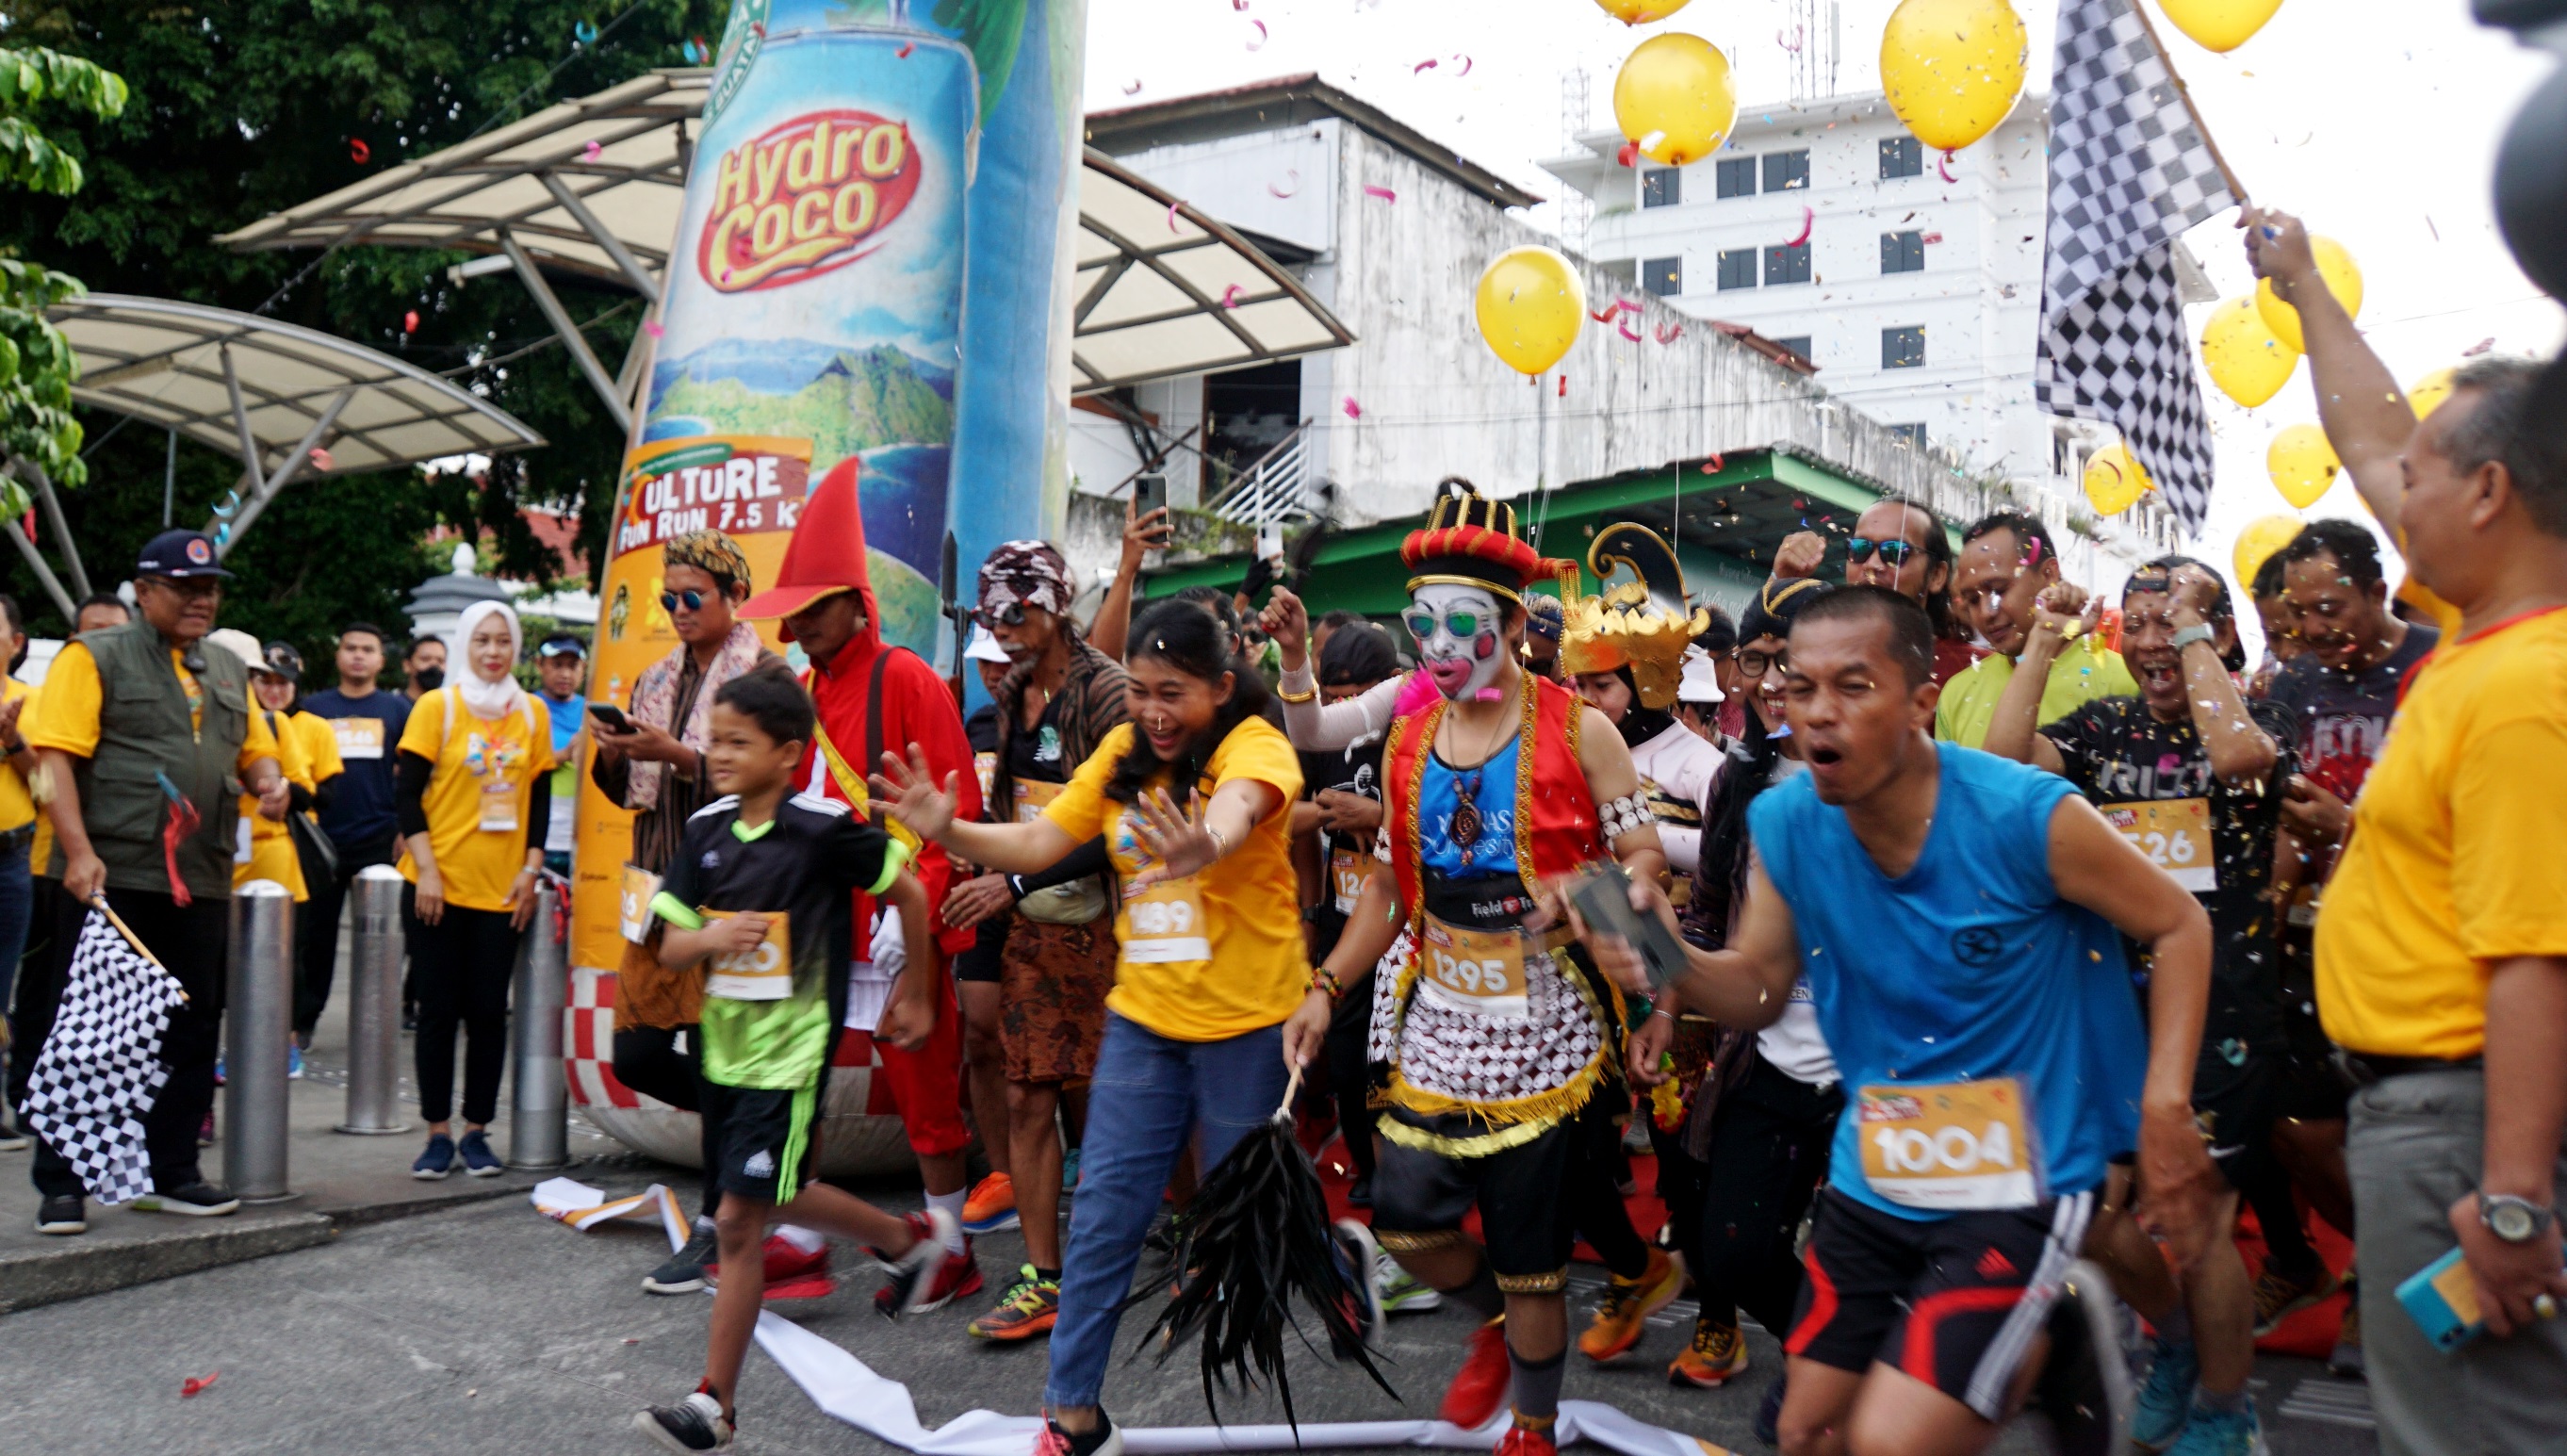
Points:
(1969, 966)
(1493, 790)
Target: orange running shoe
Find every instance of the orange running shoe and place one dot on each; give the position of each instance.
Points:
(1717, 1356)
(1623, 1312)
(992, 1205)
(1480, 1388)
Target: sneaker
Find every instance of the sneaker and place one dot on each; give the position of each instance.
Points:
(1627, 1303)
(12, 1140)
(1716, 1357)
(1359, 1262)
(1479, 1389)
(438, 1160)
(693, 1424)
(198, 1200)
(2224, 1433)
(786, 1272)
(2165, 1401)
(928, 1276)
(205, 1131)
(1069, 1173)
(293, 1063)
(65, 1215)
(478, 1160)
(1032, 1307)
(2279, 1296)
(1769, 1411)
(684, 1274)
(1523, 1440)
(992, 1206)
(2345, 1360)
(1105, 1440)
(1403, 1293)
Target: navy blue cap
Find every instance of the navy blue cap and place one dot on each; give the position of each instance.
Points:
(180, 555)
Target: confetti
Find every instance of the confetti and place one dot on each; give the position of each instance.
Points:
(1230, 296)
(651, 328)
(1294, 175)
(1384, 193)
(2478, 348)
(1629, 156)
(1132, 88)
(1353, 409)
(1808, 220)
(320, 458)
(358, 151)
(904, 48)
(1932, 237)
(696, 52)
(586, 31)
(1611, 312)
(1422, 67)
(410, 322)
(196, 1383)
(1466, 64)
(1563, 383)
(2428, 227)
(1627, 332)
(590, 150)
(1172, 217)
(1793, 43)
(1668, 333)
(1943, 168)
(1258, 43)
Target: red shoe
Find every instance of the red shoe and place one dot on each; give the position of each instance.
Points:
(790, 1272)
(1477, 1394)
(1525, 1441)
(932, 1278)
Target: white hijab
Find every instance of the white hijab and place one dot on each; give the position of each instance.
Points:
(503, 697)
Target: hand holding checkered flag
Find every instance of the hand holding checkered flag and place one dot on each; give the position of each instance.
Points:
(2131, 168)
(101, 1071)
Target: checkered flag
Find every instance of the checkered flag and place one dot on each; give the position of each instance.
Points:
(2131, 168)
(101, 1071)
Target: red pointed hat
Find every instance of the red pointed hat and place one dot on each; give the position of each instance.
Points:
(1470, 540)
(826, 555)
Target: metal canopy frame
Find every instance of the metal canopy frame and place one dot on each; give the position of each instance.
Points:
(596, 187)
(289, 401)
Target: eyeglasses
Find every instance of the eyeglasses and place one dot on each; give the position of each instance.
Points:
(1756, 663)
(1010, 615)
(1860, 549)
(693, 600)
(191, 587)
(1464, 625)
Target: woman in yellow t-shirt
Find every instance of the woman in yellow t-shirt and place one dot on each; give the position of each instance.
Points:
(1212, 955)
(18, 829)
(472, 796)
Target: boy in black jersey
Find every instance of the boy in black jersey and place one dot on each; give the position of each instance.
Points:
(759, 895)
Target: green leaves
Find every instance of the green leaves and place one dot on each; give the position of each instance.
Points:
(28, 159)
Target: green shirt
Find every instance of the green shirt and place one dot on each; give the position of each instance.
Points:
(2080, 674)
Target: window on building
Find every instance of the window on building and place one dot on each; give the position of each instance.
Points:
(1735, 176)
(1661, 186)
(1797, 344)
(1902, 253)
(1625, 271)
(1737, 268)
(1901, 156)
(1904, 348)
(1664, 276)
(1913, 435)
(1787, 171)
(1786, 264)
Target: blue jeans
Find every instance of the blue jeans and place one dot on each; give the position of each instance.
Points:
(1149, 1094)
(17, 906)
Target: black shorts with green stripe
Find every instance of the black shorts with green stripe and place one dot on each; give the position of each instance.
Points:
(757, 1134)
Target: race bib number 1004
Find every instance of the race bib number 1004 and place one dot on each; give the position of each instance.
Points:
(1949, 1146)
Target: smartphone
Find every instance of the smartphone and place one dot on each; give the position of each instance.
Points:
(611, 716)
(1603, 894)
(1149, 493)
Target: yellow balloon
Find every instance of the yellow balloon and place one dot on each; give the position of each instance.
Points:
(1640, 12)
(2258, 540)
(2219, 24)
(2114, 479)
(2343, 279)
(1675, 98)
(1530, 305)
(2248, 364)
(2432, 390)
(2302, 464)
(1952, 68)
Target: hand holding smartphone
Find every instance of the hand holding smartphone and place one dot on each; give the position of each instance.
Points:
(1603, 894)
(611, 718)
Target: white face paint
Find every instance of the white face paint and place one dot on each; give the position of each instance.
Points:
(1460, 664)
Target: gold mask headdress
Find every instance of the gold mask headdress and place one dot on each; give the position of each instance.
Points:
(1644, 623)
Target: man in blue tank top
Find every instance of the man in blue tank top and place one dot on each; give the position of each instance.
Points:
(1953, 915)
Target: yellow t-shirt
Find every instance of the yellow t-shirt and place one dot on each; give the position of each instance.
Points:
(1219, 953)
(308, 752)
(66, 714)
(17, 806)
(2455, 855)
(2080, 674)
(477, 795)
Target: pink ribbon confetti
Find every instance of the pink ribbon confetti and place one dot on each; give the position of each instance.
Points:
(194, 1383)
(1563, 383)
(591, 150)
(1132, 88)
(1629, 156)
(410, 322)
(1943, 168)
(320, 462)
(904, 48)
(1611, 312)
(1669, 333)
(1230, 296)
(1793, 43)
(1808, 220)
(2478, 348)
(1422, 67)
(1711, 466)
(1258, 43)
(1932, 237)
(1626, 331)
(1466, 64)
(1353, 409)
(1295, 176)
(651, 328)
(1172, 217)
(1239, 4)
(1384, 193)
(358, 151)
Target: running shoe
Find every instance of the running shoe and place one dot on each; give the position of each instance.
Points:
(1069, 1173)
(788, 1272)
(2345, 1360)
(684, 1273)
(1032, 1307)
(2165, 1401)
(438, 1160)
(293, 1063)
(478, 1160)
(2224, 1433)
(2280, 1296)
(1105, 1440)
(693, 1424)
(1525, 1441)
(1479, 1389)
(198, 1200)
(992, 1206)
(929, 1277)
(1403, 1293)
(1716, 1357)
(64, 1215)
(1359, 1262)
(1624, 1313)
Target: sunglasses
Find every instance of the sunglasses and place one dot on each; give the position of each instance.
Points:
(1463, 625)
(1756, 663)
(1860, 549)
(693, 600)
(1010, 615)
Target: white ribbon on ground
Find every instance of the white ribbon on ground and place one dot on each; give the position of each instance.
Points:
(569, 1201)
(845, 1388)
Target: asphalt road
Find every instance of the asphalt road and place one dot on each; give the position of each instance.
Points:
(492, 1329)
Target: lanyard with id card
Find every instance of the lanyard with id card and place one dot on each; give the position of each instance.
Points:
(499, 806)
(2175, 836)
(1479, 972)
(763, 972)
(1949, 1146)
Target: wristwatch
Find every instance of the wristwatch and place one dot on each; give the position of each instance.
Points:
(2198, 632)
(2514, 1220)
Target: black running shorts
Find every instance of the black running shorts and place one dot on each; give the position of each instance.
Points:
(1421, 1190)
(754, 1132)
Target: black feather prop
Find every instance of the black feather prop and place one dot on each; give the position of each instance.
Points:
(1255, 1235)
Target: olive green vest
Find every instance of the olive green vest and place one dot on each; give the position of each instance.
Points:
(144, 733)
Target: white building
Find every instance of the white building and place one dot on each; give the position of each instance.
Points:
(1912, 279)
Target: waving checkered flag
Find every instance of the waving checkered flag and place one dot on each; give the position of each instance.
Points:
(2131, 168)
(101, 1069)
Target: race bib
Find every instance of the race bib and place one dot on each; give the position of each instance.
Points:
(632, 902)
(1166, 924)
(359, 737)
(763, 972)
(985, 765)
(2303, 913)
(499, 806)
(1479, 972)
(2175, 836)
(1349, 870)
(1948, 1146)
(1032, 799)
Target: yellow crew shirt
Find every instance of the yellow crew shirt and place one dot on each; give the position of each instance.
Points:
(2080, 674)
(17, 804)
(66, 714)
(484, 779)
(309, 755)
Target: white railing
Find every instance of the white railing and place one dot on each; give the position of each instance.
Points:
(1275, 488)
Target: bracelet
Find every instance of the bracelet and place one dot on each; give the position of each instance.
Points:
(1298, 698)
(1662, 1011)
(1324, 979)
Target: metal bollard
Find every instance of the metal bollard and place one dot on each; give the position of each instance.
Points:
(258, 1026)
(374, 1004)
(538, 1102)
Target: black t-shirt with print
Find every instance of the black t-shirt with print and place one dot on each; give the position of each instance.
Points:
(805, 863)
(2118, 752)
(1356, 771)
(2339, 719)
